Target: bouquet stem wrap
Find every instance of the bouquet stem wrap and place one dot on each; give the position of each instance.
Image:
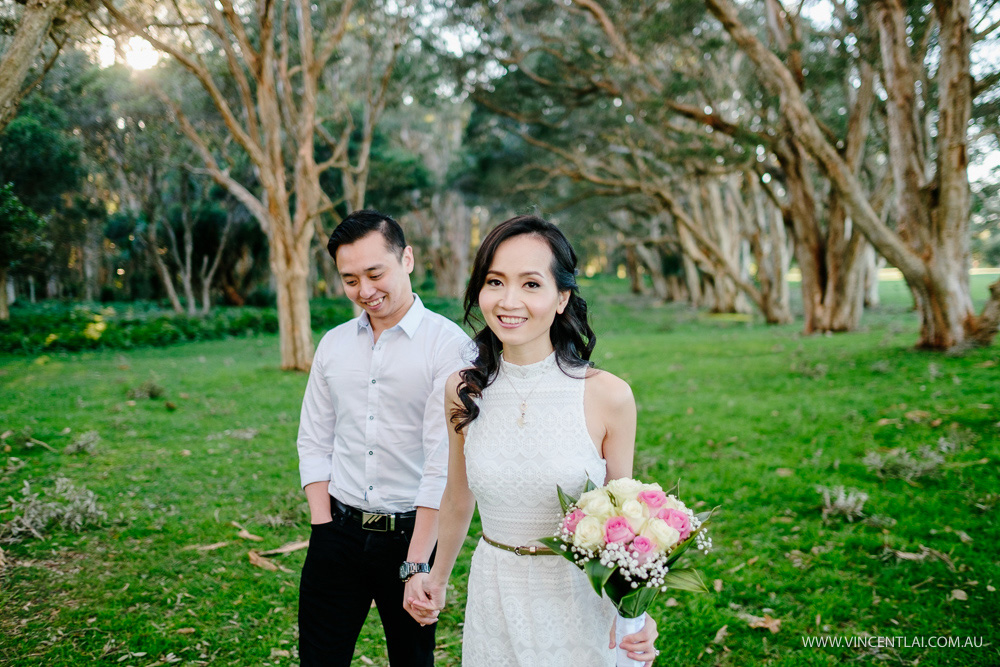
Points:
(624, 627)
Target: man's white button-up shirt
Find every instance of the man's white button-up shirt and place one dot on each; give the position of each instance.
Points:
(373, 420)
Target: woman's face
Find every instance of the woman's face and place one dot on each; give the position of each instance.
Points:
(519, 299)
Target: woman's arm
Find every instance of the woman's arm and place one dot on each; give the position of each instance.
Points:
(455, 515)
(610, 408)
(611, 416)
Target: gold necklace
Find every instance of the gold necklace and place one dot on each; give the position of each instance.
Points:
(522, 420)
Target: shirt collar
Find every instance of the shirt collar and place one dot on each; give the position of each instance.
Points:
(410, 322)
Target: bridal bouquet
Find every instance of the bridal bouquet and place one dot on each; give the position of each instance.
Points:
(627, 536)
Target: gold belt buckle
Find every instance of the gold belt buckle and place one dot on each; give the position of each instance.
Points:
(529, 551)
(381, 523)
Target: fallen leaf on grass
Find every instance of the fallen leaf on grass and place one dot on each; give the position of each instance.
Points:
(964, 536)
(185, 631)
(990, 588)
(885, 421)
(280, 653)
(671, 602)
(247, 535)
(917, 415)
(717, 585)
(286, 548)
(367, 661)
(989, 363)
(959, 594)
(784, 472)
(720, 636)
(204, 547)
(3, 561)
(263, 563)
(767, 622)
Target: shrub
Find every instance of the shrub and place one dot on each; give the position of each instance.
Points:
(838, 501)
(67, 507)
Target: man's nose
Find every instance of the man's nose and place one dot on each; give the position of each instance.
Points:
(367, 289)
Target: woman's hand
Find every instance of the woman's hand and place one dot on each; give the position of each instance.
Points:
(640, 646)
(424, 598)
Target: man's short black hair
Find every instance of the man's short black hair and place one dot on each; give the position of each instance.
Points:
(359, 224)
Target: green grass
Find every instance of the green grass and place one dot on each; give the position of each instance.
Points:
(746, 416)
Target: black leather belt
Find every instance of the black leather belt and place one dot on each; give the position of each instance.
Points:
(375, 521)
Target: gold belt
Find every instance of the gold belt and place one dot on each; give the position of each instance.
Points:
(521, 551)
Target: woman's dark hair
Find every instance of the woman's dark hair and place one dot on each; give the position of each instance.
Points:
(570, 333)
(359, 224)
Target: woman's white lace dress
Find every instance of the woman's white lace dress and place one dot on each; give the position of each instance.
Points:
(530, 611)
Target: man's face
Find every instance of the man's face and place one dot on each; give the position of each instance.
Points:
(376, 279)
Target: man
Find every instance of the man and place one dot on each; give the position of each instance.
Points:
(373, 450)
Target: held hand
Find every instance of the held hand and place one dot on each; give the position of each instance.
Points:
(428, 600)
(640, 646)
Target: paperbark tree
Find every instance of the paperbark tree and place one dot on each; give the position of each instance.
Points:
(930, 245)
(278, 61)
(33, 29)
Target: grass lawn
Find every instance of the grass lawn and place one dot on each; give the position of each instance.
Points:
(747, 416)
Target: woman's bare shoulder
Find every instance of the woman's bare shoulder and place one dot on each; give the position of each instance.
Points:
(610, 390)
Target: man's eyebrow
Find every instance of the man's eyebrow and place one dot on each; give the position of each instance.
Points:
(377, 267)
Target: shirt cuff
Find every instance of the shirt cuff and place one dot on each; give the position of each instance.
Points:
(315, 469)
(429, 494)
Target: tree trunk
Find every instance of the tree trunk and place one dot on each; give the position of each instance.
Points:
(632, 270)
(25, 46)
(290, 267)
(651, 259)
(4, 308)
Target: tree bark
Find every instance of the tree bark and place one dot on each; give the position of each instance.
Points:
(931, 246)
(24, 47)
(4, 307)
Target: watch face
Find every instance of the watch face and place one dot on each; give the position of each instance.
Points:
(404, 571)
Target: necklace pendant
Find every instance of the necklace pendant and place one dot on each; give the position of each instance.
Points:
(520, 421)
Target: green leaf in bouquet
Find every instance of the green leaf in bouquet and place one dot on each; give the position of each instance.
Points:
(556, 544)
(637, 601)
(565, 500)
(705, 516)
(687, 579)
(590, 485)
(598, 574)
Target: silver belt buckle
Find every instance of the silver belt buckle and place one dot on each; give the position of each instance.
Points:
(381, 523)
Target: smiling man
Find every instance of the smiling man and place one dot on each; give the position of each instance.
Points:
(373, 450)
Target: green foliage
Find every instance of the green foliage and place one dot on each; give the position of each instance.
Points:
(20, 229)
(65, 327)
(40, 155)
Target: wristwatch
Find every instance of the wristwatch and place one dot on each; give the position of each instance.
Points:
(408, 569)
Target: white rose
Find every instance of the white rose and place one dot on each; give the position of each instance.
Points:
(597, 504)
(590, 534)
(636, 513)
(624, 489)
(657, 530)
(673, 504)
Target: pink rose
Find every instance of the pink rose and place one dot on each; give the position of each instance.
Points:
(642, 548)
(654, 499)
(617, 529)
(573, 518)
(677, 520)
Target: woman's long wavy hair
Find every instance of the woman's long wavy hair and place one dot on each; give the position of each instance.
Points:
(571, 335)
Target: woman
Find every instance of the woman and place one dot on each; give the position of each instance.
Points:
(529, 415)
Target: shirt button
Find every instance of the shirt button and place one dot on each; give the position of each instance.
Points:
(371, 488)
(373, 381)
(370, 453)
(371, 417)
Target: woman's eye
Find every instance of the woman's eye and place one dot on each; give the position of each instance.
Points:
(493, 282)
(531, 285)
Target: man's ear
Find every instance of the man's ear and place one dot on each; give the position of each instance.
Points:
(407, 259)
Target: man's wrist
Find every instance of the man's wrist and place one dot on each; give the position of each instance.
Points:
(409, 568)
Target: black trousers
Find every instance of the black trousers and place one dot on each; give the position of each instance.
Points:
(346, 568)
